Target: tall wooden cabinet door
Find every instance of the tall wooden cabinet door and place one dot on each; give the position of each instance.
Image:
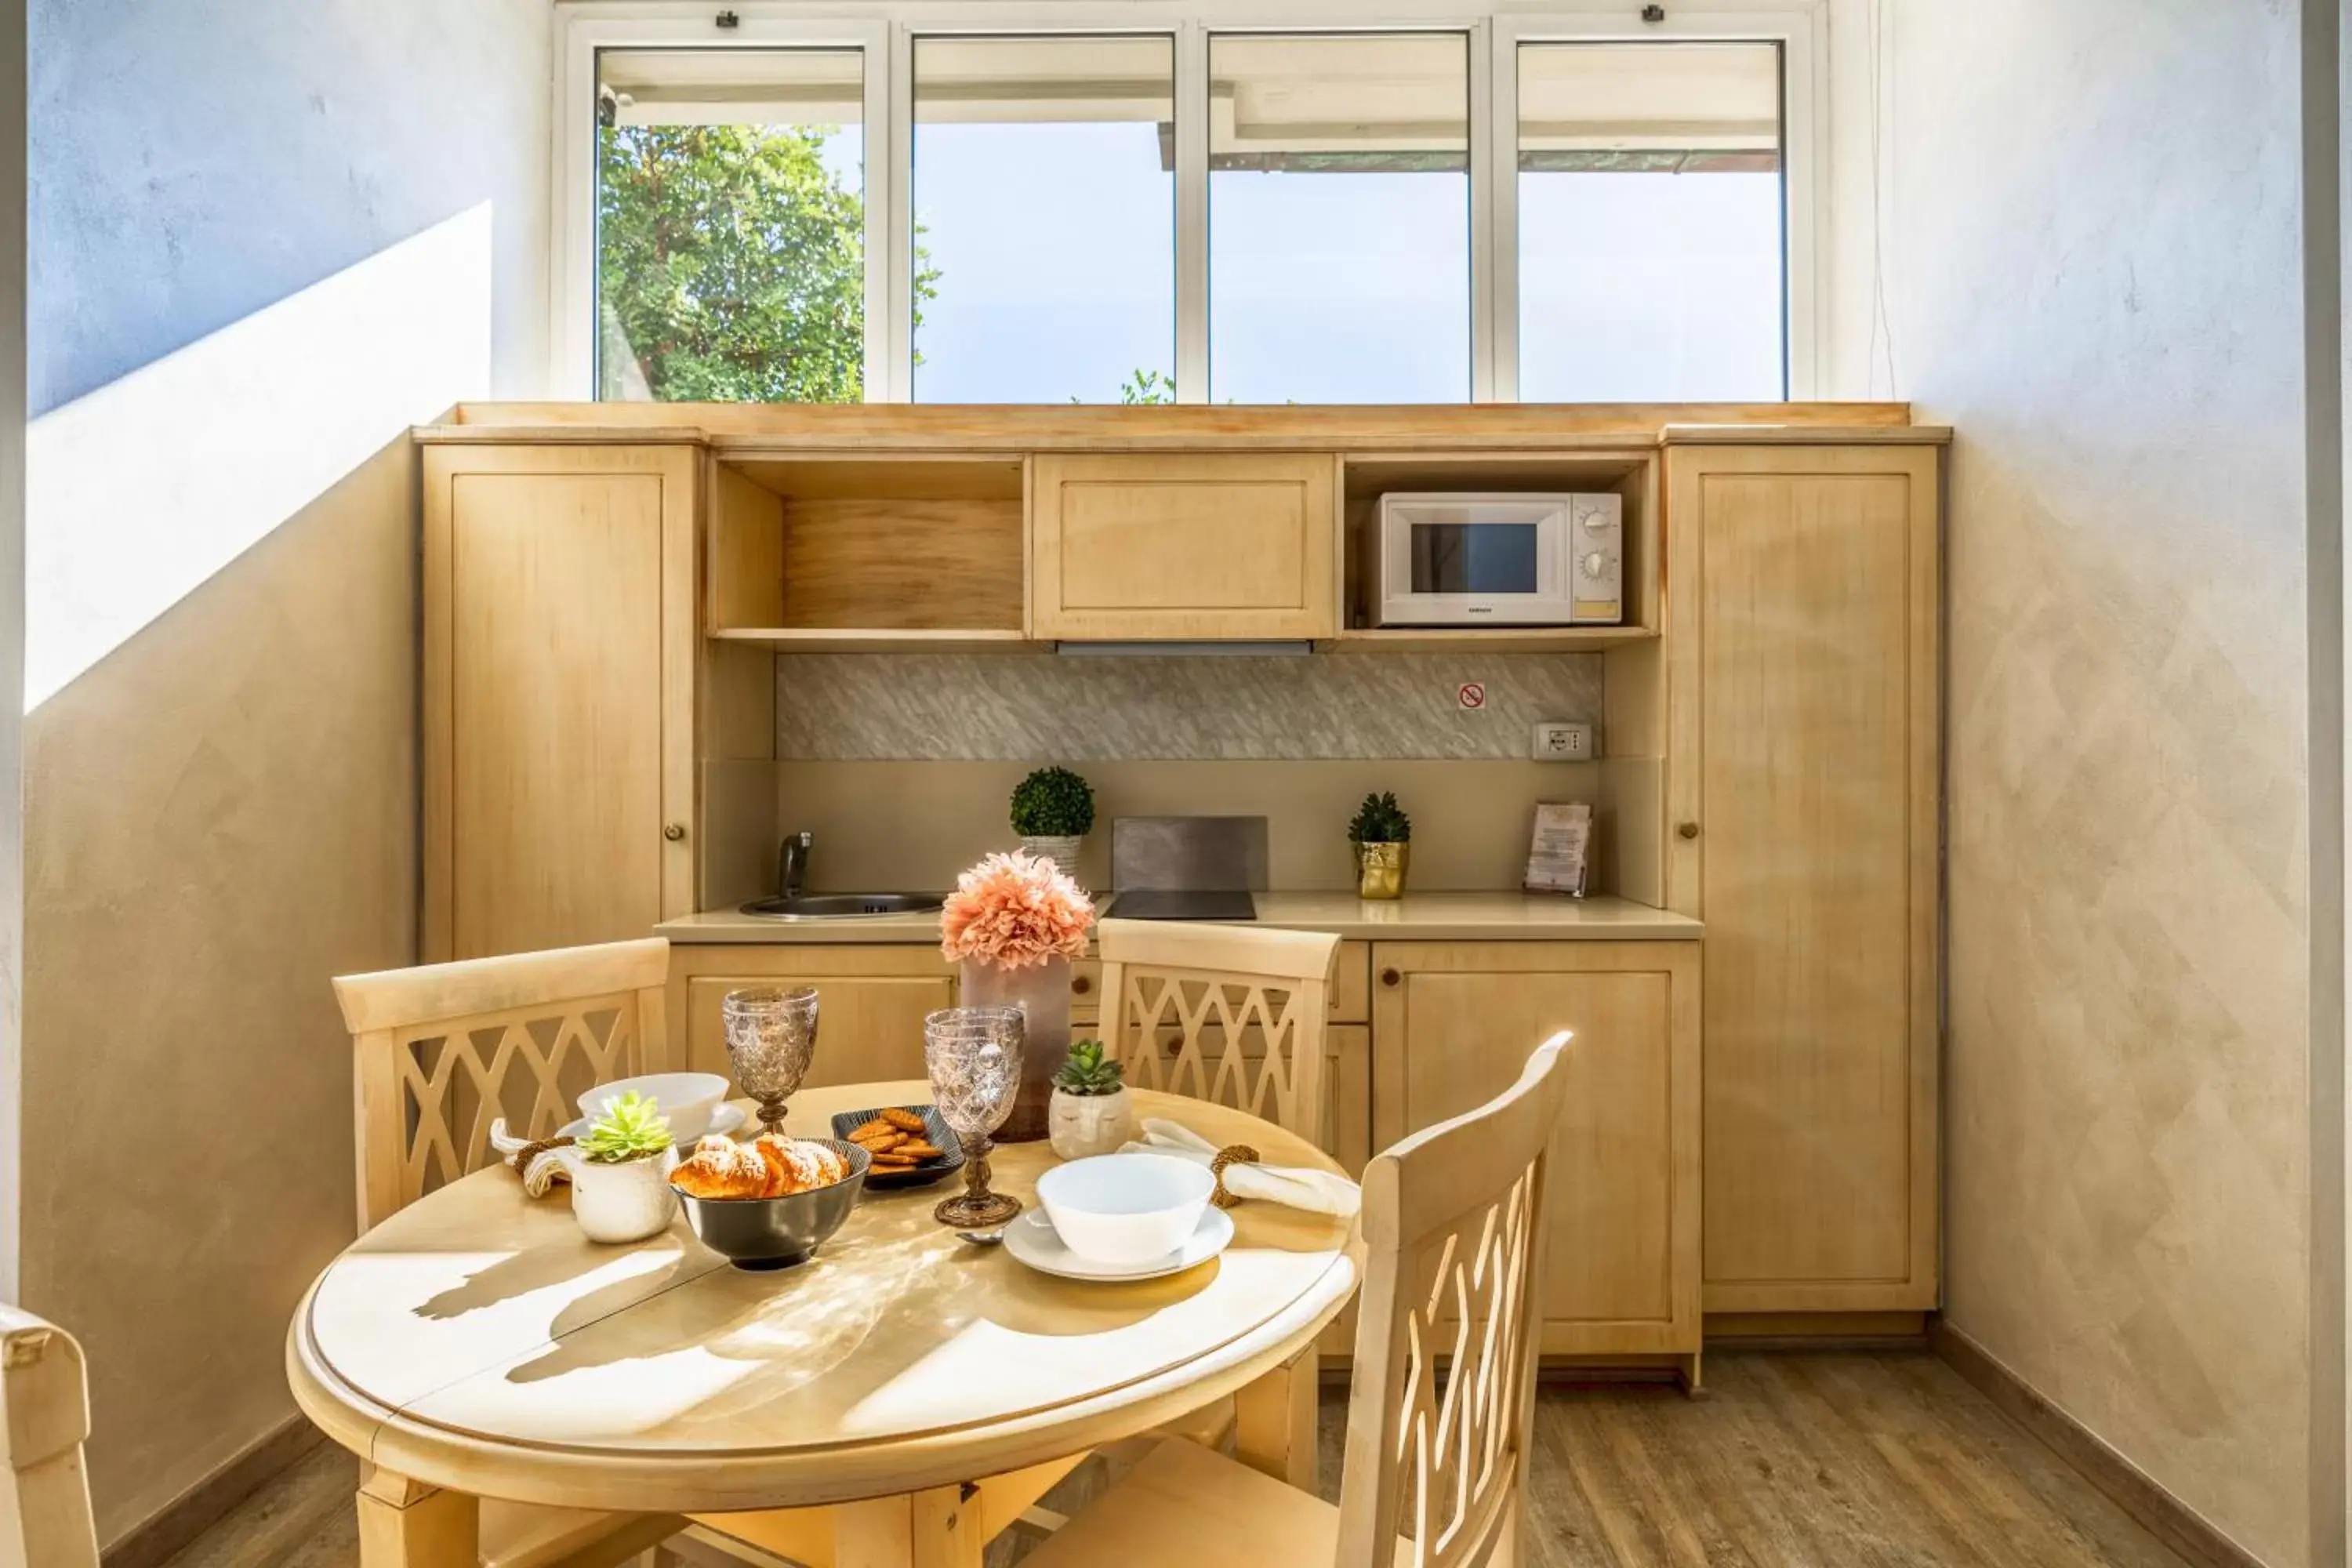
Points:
(1452, 1026)
(1803, 786)
(870, 1004)
(1163, 545)
(558, 694)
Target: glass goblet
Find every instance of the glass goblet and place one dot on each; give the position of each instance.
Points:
(770, 1039)
(973, 1055)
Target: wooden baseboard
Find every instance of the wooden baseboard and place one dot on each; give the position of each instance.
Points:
(208, 1502)
(2125, 1485)
(1816, 1331)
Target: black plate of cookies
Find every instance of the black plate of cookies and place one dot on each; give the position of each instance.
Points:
(909, 1145)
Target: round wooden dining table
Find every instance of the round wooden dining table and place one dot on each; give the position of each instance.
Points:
(897, 1399)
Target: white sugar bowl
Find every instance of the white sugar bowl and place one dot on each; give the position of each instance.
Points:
(1125, 1209)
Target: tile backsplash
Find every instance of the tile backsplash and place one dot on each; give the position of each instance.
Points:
(1146, 708)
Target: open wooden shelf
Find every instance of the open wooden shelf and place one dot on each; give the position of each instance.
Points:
(1488, 639)
(844, 639)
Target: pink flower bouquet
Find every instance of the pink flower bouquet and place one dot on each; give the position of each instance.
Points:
(1014, 910)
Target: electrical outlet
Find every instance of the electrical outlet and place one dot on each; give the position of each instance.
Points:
(1558, 743)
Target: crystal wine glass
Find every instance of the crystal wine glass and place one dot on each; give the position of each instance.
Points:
(771, 1037)
(973, 1054)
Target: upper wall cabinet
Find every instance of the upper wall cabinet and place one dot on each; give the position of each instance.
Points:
(558, 698)
(1183, 547)
(1801, 785)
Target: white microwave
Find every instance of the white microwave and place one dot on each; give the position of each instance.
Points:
(1499, 560)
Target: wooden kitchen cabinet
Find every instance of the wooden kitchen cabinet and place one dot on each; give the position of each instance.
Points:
(557, 694)
(1802, 795)
(1453, 1025)
(871, 1003)
(1199, 546)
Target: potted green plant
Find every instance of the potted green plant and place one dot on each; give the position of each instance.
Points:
(1054, 810)
(620, 1172)
(1382, 835)
(1092, 1112)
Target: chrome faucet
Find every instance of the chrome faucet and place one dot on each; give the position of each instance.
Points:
(791, 864)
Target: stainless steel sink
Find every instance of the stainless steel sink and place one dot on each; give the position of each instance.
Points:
(842, 906)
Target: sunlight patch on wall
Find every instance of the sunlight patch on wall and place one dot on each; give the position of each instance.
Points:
(138, 492)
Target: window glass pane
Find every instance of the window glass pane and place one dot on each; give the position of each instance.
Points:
(1045, 220)
(1651, 262)
(731, 225)
(1339, 218)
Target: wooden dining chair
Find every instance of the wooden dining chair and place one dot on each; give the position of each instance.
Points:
(441, 1051)
(1187, 1008)
(45, 1518)
(1437, 1454)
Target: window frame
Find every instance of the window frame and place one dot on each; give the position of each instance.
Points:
(884, 31)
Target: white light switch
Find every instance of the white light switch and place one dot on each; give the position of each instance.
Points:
(1562, 743)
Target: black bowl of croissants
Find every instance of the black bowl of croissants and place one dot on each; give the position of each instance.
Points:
(773, 1202)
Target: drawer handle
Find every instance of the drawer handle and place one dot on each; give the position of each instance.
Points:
(1687, 829)
(674, 831)
(1081, 985)
(1390, 977)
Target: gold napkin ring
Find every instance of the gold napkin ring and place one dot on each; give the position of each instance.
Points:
(520, 1163)
(1230, 1154)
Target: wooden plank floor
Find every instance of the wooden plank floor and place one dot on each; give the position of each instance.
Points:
(1790, 1461)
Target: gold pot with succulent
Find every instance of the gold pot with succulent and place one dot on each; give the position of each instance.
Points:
(620, 1172)
(1092, 1113)
(1382, 835)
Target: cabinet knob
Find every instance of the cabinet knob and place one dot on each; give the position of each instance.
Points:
(674, 831)
(1687, 829)
(1390, 977)
(1081, 984)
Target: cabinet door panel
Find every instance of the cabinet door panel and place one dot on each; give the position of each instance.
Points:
(556, 695)
(1804, 698)
(1164, 545)
(1453, 1026)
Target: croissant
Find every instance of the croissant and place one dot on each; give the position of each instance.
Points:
(721, 1168)
(795, 1165)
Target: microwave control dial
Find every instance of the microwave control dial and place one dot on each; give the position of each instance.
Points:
(1596, 593)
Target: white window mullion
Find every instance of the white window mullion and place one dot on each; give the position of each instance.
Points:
(897, 384)
(1486, 143)
(882, 185)
(1502, 180)
(1192, 213)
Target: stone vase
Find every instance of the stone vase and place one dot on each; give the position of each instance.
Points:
(1042, 992)
(1088, 1124)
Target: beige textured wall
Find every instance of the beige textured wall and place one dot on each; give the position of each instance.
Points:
(2094, 275)
(219, 815)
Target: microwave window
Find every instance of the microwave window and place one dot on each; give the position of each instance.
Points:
(1473, 557)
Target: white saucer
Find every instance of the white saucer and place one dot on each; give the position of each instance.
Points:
(726, 1118)
(1033, 1239)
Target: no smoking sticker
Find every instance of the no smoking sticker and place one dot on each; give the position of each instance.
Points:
(1471, 695)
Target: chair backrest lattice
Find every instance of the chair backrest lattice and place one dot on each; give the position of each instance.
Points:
(444, 1050)
(1447, 1341)
(1219, 1013)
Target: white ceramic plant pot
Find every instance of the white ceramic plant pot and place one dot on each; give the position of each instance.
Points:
(1061, 850)
(1084, 1124)
(626, 1201)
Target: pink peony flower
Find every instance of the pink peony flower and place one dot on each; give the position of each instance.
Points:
(1014, 910)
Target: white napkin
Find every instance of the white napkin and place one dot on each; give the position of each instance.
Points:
(546, 1167)
(1298, 1187)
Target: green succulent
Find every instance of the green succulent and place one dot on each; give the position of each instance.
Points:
(1381, 820)
(1087, 1072)
(1053, 802)
(631, 1128)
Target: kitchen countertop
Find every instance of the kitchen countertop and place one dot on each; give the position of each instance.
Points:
(1416, 916)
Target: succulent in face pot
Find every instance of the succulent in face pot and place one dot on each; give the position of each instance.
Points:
(1382, 835)
(620, 1172)
(1091, 1112)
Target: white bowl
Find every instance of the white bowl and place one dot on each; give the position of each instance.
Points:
(689, 1099)
(1125, 1208)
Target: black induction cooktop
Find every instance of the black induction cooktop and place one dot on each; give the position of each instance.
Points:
(1173, 904)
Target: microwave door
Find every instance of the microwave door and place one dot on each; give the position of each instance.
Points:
(1445, 571)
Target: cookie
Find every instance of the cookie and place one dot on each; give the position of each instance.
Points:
(916, 1149)
(904, 1121)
